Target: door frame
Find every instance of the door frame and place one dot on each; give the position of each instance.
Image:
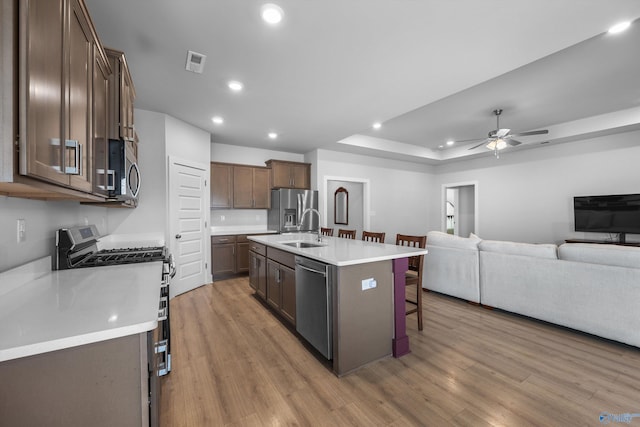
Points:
(206, 234)
(366, 197)
(443, 204)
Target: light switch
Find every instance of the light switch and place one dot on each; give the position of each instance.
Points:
(369, 284)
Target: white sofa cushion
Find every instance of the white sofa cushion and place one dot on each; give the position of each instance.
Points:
(438, 238)
(621, 256)
(536, 250)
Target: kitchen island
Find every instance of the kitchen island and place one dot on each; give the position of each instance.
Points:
(365, 291)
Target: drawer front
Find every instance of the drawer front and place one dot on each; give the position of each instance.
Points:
(258, 248)
(217, 240)
(283, 257)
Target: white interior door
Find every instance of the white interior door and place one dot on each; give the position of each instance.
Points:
(187, 225)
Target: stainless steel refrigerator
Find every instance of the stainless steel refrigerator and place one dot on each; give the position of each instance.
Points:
(294, 210)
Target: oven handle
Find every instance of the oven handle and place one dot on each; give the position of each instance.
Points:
(163, 311)
(162, 354)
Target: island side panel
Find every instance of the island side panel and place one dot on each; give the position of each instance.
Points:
(363, 319)
(400, 340)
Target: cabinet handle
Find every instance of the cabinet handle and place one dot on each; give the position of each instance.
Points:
(111, 179)
(72, 144)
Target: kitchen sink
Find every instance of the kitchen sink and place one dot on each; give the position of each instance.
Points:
(304, 244)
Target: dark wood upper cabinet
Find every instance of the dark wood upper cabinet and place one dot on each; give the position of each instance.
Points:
(121, 97)
(285, 174)
(221, 185)
(251, 187)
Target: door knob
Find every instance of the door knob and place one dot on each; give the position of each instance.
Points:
(178, 236)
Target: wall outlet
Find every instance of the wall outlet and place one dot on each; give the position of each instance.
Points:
(21, 230)
(222, 218)
(369, 284)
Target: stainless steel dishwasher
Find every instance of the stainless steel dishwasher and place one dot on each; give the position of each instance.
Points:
(313, 303)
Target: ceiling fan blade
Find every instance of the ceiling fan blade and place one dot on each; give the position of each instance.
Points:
(533, 132)
(468, 140)
(513, 142)
(502, 133)
(479, 145)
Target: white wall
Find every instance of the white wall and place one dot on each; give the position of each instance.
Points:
(42, 220)
(527, 195)
(249, 156)
(400, 192)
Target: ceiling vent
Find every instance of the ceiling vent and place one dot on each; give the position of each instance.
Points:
(195, 62)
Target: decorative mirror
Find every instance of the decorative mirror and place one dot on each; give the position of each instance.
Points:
(341, 206)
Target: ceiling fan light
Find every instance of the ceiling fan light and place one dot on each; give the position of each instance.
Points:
(497, 144)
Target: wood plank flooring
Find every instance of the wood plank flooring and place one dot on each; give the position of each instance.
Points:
(236, 364)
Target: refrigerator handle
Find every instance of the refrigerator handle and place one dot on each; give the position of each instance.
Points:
(299, 210)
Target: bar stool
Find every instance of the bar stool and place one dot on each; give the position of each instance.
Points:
(413, 276)
(326, 231)
(372, 236)
(348, 234)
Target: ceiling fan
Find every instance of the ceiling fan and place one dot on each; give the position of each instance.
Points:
(501, 138)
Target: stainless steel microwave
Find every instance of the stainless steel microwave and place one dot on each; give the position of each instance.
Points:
(126, 174)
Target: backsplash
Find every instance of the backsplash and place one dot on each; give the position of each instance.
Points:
(238, 217)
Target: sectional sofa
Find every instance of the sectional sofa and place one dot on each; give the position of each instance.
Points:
(592, 288)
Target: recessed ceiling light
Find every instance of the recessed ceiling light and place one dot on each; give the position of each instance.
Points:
(440, 146)
(271, 13)
(450, 142)
(377, 125)
(272, 135)
(619, 27)
(217, 120)
(235, 85)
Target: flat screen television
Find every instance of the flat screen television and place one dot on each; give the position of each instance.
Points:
(618, 213)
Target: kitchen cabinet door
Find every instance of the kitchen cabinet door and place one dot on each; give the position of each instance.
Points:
(281, 175)
(258, 274)
(56, 140)
(79, 85)
(223, 258)
(221, 185)
(101, 70)
(242, 187)
(251, 187)
(242, 256)
(41, 128)
(281, 290)
(300, 176)
(121, 97)
(261, 188)
(288, 294)
(273, 284)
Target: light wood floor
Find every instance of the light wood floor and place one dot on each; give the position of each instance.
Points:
(235, 364)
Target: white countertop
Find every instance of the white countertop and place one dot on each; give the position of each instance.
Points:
(237, 229)
(69, 308)
(339, 251)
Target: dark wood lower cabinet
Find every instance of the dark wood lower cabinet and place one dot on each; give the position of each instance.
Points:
(281, 289)
(223, 258)
(258, 273)
(229, 255)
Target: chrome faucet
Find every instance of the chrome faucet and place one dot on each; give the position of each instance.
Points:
(318, 213)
